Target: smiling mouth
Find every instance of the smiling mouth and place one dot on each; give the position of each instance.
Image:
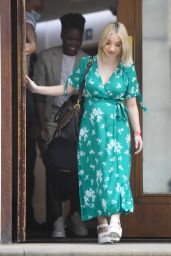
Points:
(72, 49)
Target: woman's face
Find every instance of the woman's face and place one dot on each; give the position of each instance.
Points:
(113, 46)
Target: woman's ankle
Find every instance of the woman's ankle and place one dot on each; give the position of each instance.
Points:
(115, 220)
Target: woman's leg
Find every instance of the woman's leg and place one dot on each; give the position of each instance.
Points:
(74, 195)
(102, 220)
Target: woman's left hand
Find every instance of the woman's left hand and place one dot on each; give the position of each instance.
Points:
(138, 144)
(31, 85)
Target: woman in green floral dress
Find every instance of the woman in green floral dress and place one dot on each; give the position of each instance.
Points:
(104, 153)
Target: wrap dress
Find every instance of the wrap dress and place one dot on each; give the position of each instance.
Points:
(104, 147)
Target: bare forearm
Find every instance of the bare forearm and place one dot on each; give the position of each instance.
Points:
(133, 115)
(56, 90)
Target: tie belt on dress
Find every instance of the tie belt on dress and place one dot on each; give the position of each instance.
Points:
(121, 113)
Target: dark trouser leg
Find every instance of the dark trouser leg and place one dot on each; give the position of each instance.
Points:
(60, 156)
(74, 197)
(53, 204)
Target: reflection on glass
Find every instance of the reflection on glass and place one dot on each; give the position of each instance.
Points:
(157, 94)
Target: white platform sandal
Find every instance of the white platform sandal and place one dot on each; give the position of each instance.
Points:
(103, 237)
(115, 232)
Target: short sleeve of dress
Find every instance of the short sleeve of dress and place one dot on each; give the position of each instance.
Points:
(133, 86)
(78, 74)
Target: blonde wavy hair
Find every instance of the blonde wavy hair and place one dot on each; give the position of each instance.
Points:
(120, 30)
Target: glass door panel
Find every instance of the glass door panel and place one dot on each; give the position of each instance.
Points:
(156, 42)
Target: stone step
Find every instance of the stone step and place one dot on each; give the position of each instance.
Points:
(86, 249)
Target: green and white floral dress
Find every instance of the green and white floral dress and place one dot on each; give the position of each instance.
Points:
(104, 156)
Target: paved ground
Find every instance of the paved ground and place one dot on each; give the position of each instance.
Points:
(61, 249)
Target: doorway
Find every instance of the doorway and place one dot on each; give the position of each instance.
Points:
(45, 37)
(151, 206)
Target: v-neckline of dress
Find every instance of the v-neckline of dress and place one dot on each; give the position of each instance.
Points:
(104, 84)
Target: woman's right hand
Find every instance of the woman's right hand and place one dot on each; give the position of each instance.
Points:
(31, 85)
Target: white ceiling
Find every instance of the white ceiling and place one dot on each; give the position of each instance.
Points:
(55, 8)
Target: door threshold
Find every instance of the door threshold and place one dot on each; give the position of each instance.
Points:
(92, 240)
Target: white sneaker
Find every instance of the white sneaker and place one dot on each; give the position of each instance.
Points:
(58, 228)
(76, 225)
